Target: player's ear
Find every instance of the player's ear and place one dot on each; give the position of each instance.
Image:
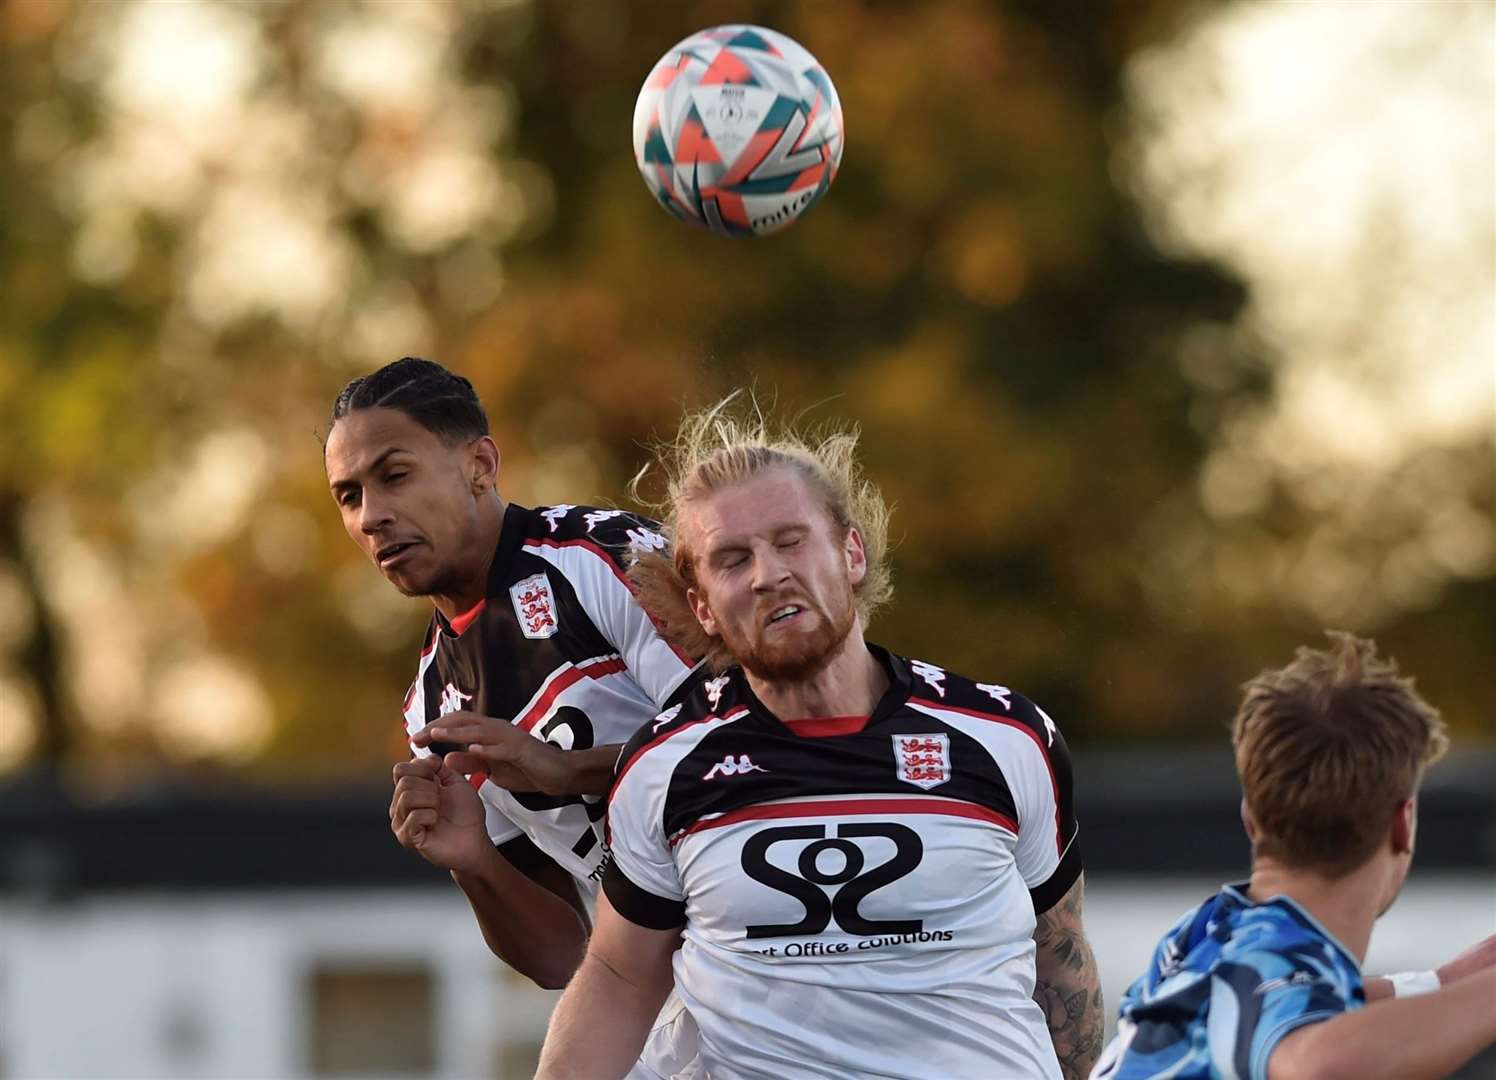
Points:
(856, 556)
(484, 461)
(1248, 824)
(1404, 827)
(702, 610)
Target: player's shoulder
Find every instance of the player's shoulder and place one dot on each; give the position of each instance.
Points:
(636, 756)
(1267, 944)
(710, 697)
(607, 530)
(597, 524)
(939, 688)
(1276, 936)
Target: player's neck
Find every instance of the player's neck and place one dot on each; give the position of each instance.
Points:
(1346, 906)
(850, 685)
(469, 582)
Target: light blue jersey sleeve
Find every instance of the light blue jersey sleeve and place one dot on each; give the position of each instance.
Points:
(1289, 987)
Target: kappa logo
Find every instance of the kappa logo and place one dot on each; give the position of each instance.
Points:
(714, 689)
(555, 514)
(535, 607)
(452, 699)
(728, 767)
(597, 517)
(646, 540)
(930, 673)
(1049, 727)
(665, 717)
(922, 760)
(997, 693)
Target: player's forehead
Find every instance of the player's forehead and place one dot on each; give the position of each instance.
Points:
(364, 437)
(765, 504)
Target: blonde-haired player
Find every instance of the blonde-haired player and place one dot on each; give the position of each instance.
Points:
(851, 863)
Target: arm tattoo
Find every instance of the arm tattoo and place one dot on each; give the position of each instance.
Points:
(1067, 986)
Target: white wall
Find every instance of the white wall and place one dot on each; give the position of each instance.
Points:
(169, 986)
(213, 986)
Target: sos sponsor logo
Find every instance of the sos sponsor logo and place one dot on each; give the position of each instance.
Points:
(831, 880)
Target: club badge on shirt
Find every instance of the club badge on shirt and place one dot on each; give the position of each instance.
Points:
(535, 607)
(922, 760)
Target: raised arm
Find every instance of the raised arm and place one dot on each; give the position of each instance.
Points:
(600, 1024)
(1416, 1038)
(1067, 985)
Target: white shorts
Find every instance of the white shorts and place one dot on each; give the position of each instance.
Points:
(671, 1051)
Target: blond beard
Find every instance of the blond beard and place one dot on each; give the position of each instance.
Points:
(800, 660)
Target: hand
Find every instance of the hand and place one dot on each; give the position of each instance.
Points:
(1478, 957)
(513, 759)
(438, 814)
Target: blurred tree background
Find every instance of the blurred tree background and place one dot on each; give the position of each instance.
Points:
(1169, 327)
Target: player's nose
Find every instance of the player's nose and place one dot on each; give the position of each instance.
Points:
(769, 571)
(374, 516)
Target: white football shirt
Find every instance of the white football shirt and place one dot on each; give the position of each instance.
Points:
(858, 894)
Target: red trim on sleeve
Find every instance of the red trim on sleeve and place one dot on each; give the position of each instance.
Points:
(595, 669)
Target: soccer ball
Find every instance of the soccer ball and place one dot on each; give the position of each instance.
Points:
(738, 130)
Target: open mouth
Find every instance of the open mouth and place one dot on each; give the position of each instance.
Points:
(784, 613)
(392, 553)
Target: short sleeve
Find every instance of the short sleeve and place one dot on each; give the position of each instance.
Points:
(1259, 998)
(655, 664)
(1043, 787)
(642, 880)
(595, 565)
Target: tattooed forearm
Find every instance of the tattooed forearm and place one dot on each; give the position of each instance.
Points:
(1067, 986)
(1075, 1025)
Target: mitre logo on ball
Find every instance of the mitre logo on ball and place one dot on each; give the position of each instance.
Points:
(738, 130)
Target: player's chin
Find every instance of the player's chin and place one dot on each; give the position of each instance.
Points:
(409, 584)
(788, 661)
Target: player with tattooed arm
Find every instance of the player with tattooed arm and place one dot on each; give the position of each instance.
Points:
(848, 862)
